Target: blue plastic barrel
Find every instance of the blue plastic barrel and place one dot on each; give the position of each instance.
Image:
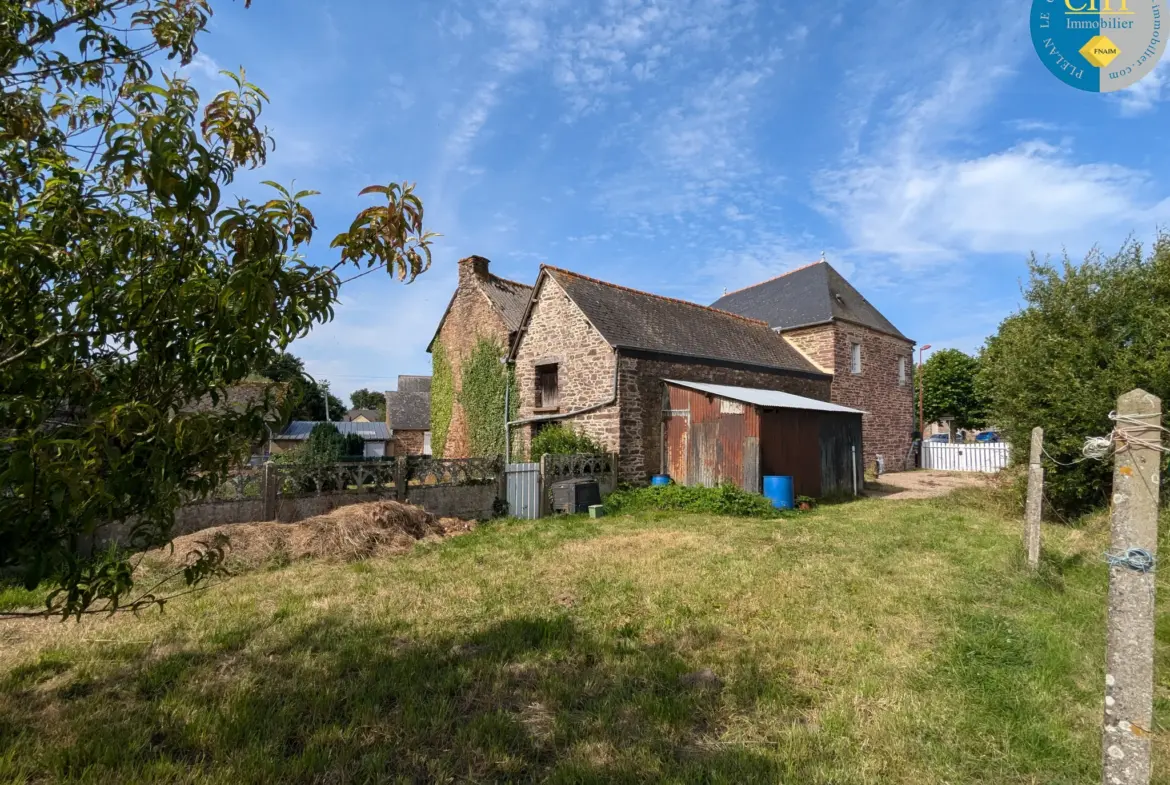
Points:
(660, 479)
(779, 490)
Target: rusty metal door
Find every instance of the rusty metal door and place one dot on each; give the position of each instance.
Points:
(677, 424)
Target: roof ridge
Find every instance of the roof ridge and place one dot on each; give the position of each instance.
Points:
(775, 277)
(655, 296)
(508, 280)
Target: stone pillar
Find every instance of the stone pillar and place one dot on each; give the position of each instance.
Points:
(1129, 654)
(269, 488)
(1035, 507)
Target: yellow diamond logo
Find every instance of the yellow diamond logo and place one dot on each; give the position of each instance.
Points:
(1100, 51)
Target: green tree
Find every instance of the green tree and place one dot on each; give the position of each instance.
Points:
(950, 389)
(305, 396)
(368, 399)
(132, 286)
(1088, 332)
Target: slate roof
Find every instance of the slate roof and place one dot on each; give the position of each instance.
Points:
(414, 383)
(630, 319)
(298, 430)
(408, 411)
(813, 294)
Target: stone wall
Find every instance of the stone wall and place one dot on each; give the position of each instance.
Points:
(888, 404)
(641, 393)
(559, 333)
(408, 442)
(470, 318)
(818, 344)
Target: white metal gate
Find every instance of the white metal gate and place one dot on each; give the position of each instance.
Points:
(989, 458)
(524, 490)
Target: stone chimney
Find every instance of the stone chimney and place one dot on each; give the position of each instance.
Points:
(472, 267)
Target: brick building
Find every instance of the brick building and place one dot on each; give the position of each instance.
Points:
(843, 334)
(483, 306)
(595, 355)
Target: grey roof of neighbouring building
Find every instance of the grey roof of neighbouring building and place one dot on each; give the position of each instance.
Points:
(407, 383)
(630, 319)
(408, 411)
(769, 399)
(298, 430)
(369, 414)
(808, 295)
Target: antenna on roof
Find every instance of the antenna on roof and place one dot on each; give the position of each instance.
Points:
(724, 291)
(823, 259)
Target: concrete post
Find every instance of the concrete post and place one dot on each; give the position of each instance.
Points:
(1035, 506)
(1129, 656)
(400, 479)
(269, 487)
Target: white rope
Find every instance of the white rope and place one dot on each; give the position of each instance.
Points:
(1097, 448)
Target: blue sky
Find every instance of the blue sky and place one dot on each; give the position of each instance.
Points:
(687, 147)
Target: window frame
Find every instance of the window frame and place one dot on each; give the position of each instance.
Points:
(903, 375)
(542, 372)
(855, 358)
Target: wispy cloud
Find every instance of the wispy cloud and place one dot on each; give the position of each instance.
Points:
(1143, 96)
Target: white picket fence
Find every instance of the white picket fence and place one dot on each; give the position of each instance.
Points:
(988, 458)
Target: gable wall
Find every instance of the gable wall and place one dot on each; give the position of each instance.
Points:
(889, 406)
(558, 332)
(470, 318)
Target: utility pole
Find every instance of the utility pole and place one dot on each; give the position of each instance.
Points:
(921, 392)
(325, 392)
(1129, 652)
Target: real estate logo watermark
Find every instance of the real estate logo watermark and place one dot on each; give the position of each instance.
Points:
(1099, 45)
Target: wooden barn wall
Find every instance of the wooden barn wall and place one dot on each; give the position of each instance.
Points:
(839, 434)
(711, 440)
(790, 442)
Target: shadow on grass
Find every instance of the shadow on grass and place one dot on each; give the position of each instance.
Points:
(529, 699)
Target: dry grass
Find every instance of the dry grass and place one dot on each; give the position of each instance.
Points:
(876, 642)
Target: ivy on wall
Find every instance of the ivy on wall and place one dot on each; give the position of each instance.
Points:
(442, 398)
(485, 379)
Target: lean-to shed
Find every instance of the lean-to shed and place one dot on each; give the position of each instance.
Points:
(716, 434)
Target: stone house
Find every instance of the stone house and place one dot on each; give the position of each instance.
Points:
(408, 416)
(820, 313)
(375, 436)
(361, 415)
(595, 355)
(484, 306)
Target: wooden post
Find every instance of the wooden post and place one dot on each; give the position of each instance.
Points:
(545, 491)
(400, 479)
(1035, 506)
(1129, 656)
(269, 487)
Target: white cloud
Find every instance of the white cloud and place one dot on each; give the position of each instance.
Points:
(1030, 197)
(1144, 95)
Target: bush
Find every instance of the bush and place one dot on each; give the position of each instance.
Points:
(562, 440)
(724, 500)
(1087, 333)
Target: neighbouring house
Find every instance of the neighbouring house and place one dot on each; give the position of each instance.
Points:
(361, 415)
(408, 415)
(597, 356)
(375, 435)
(820, 313)
(484, 307)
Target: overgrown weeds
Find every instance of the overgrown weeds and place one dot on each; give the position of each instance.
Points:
(723, 500)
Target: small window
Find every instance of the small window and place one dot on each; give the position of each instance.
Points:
(547, 388)
(855, 358)
(902, 371)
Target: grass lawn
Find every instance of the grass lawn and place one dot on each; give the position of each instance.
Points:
(873, 642)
